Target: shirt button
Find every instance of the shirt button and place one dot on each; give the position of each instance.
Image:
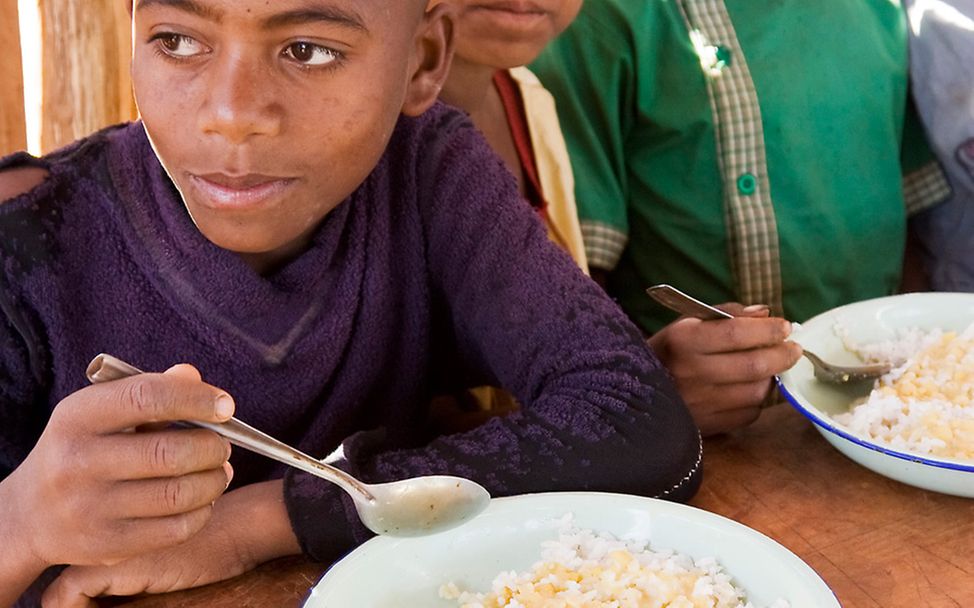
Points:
(747, 184)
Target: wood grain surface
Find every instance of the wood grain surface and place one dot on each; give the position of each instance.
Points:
(876, 542)
(13, 132)
(282, 583)
(86, 82)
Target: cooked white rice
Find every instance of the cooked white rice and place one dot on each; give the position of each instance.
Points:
(590, 570)
(925, 404)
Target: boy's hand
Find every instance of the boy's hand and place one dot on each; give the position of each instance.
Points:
(208, 557)
(227, 546)
(95, 490)
(723, 369)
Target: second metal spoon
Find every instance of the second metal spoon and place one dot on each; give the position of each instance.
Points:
(410, 507)
(677, 301)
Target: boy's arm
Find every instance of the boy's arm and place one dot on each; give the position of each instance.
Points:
(230, 544)
(925, 183)
(77, 486)
(590, 71)
(19, 569)
(599, 411)
(925, 186)
(17, 434)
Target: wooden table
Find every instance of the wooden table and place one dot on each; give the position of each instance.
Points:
(876, 542)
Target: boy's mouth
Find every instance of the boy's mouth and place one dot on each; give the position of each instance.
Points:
(522, 8)
(220, 190)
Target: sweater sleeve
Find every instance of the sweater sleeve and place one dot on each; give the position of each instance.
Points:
(23, 408)
(599, 410)
(598, 413)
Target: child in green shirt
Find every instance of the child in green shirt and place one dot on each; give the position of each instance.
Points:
(741, 151)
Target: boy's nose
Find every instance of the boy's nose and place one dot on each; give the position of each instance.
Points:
(237, 106)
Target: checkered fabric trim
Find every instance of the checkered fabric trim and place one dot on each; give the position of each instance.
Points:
(748, 207)
(603, 244)
(925, 187)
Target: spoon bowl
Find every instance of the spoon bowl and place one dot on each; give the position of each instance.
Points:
(422, 505)
(677, 301)
(845, 374)
(408, 507)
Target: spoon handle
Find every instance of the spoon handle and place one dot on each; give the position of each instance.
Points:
(105, 368)
(685, 304)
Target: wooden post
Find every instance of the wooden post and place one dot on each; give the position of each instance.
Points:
(86, 68)
(13, 131)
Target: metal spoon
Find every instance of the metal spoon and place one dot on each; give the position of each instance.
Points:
(676, 300)
(409, 507)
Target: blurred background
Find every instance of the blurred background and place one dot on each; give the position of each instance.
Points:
(64, 71)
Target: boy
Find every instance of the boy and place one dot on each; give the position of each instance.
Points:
(745, 151)
(329, 252)
(941, 55)
(505, 101)
(516, 115)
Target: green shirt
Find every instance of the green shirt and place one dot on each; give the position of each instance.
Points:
(741, 150)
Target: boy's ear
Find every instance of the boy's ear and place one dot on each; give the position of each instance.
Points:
(433, 56)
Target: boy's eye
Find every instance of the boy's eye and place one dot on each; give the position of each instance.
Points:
(308, 54)
(179, 45)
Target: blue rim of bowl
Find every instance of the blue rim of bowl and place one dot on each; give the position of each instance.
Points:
(941, 464)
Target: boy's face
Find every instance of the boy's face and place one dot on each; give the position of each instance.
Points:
(267, 114)
(508, 33)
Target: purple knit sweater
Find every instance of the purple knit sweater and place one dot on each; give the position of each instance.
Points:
(431, 277)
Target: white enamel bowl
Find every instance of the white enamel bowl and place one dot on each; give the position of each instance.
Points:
(867, 322)
(389, 572)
